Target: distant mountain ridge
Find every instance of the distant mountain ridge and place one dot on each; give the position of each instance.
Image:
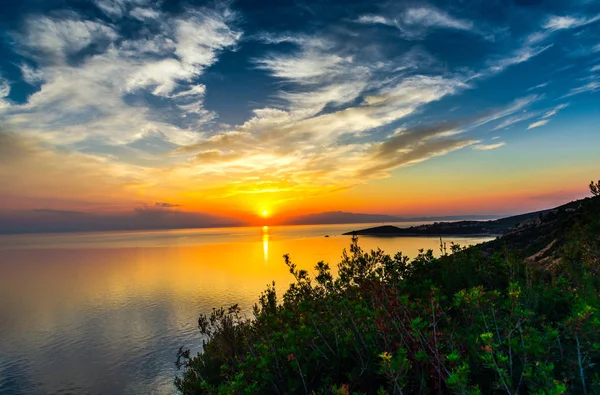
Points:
(490, 227)
(342, 217)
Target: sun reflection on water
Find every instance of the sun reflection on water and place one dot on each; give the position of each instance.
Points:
(265, 240)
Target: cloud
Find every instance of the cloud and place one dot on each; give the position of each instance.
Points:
(88, 99)
(144, 218)
(117, 8)
(297, 154)
(166, 205)
(595, 68)
(487, 147)
(547, 115)
(516, 106)
(432, 17)
(375, 19)
(555, 110)
(556, 23)
(568, 22)
(318, 72)
(518, 56)
(414, 22)
(542, 85)
(516, 119)
(58, 212)
(30, 171)
(144, 13)
(30, 75)
(128, 97)
(305, 154)
(52, 40)
(593, 86)
(537, 124)
(4, 92)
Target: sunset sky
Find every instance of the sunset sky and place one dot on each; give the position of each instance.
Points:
(244, 109)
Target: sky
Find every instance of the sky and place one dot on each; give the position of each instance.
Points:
(230, 112)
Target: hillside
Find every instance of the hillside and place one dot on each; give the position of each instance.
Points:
(519, 314)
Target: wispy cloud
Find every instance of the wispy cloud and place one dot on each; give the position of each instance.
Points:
(515, 119)
(555, 110)
(555, 23)
(88, 99)
(4, 92)
(518, 56)
(375, 19)
(569, 22)
(593, 86)
(415, 22)
(542, 85)
(538, 124)
(432, 17)
(488, 147)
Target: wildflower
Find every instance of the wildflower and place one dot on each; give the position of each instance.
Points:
(385, 356)
(291, 357)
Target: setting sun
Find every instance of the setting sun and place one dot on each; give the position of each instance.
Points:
(265, 213)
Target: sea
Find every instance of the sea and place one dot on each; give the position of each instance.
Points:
(105, 313)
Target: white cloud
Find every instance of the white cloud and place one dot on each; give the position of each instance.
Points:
(542, 85)
(555, 110)
(593, 86)
(4, 88)
(144, 13)
(568, 22)
(314, 61)
(87, 100)
(595, 68)
(415, 21)
(30, 75)
(521, 55)
(488, 147)
(4, 92)
(306, 150)
(57, 38)
(319, 74)
(201, 36)
(514, 120)
(375, 19)
(516, 106)
(555, 23)
(537, 124)
(117, 8)
(432, 17)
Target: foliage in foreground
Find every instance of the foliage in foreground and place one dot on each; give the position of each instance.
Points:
(467, 323)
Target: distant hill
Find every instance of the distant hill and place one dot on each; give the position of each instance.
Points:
(342, 217)
(490, 227)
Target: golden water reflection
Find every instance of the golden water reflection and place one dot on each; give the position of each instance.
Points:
(265, 241)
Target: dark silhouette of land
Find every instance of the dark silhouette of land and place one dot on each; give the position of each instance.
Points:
(342, 217)
(498, 227)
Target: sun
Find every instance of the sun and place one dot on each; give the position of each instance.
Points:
(265, 213)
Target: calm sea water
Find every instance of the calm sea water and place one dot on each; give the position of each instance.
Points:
(104, 313)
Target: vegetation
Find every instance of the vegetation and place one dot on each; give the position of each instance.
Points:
(595, 188)
(482, 320)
